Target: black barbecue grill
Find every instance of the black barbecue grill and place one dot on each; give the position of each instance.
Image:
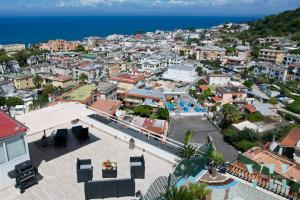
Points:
(26, 175)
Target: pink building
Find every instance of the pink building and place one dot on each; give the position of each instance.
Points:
(230, 94)
(59, 45)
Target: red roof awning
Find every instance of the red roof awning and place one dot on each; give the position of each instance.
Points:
(292, 138)
(216, 99)
(9, 126)
(250, 108)
(203, 87)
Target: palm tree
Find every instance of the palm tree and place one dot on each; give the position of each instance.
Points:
(199, 190)
(216, 159)
(188, 137)
(173, 193)
(213, 109)
(187, 151)
(231, 113)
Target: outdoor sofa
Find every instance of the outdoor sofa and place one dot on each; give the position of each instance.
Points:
(109, 188)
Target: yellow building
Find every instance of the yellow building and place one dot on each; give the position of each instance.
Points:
(271, 55)
(62, 81)
(23, 81)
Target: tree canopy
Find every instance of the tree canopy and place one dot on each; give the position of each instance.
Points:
(282, 24)
(231, 113)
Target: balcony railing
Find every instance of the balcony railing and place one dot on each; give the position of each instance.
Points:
(261, 181)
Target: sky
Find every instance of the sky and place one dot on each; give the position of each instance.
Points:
(145, 7)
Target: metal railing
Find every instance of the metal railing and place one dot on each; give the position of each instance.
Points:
(262, 182)
(150, 134)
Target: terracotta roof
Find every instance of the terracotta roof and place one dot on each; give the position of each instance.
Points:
(292, 138)
(9, 126)
(203, 87)
(266, 158)
(107, 106)
(216, 99)
(148, 122)
(127, 78)
(59, 77)
(250, 108)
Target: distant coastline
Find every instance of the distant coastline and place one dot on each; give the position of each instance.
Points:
(39, 29)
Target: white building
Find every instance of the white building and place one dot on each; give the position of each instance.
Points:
(218, 79)
(12, 47)
(271, 70)
(93, 72)
(181, 73)
(291, 59)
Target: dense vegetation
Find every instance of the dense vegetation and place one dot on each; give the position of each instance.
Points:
(148, 112)
(283, 24)
(249, 138)
(4, 57)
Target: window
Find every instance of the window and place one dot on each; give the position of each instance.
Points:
(2, 154)
(15, 147)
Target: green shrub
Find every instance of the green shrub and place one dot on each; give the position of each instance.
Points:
(288, 117)
(163, 113)
(256, 117)
(143, 111)
(249, 135)
(244, 145)
(230, 135)
(294, 107)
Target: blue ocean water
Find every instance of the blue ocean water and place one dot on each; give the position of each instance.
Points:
(38, 29)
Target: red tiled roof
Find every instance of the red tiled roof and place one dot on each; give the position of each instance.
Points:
(250, 108)
(216, 99)
(107, 106)
(203, 87)
(9, 126)
(157, 130)
(147, 122)
(292, 138)
(127, 78)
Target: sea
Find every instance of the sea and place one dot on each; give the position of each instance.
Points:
(30, 30)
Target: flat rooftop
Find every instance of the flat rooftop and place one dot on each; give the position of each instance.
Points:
(267, 158)
(57, 166)
(80, 93)
(105, 87)
(155, 94)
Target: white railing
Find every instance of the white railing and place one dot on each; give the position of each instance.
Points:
(148, 133)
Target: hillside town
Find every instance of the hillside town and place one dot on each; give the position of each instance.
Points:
(207, 85)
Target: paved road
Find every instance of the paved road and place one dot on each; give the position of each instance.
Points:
(201, 129)
(280, 108)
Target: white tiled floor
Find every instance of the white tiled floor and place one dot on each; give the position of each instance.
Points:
(59, 173)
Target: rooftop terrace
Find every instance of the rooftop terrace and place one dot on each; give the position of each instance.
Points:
(57, 166)
(80, 93)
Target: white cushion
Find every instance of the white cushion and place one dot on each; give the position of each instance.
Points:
(136, 163)
(85, 166)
